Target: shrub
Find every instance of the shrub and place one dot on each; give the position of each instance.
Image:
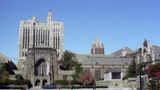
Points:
(19, 77)
(75, 82)
(61, 82)
(3, 80)
(18, 82)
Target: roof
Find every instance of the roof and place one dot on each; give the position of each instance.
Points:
(113, 70)
(156, 50)
(105, 60)
(119, 52)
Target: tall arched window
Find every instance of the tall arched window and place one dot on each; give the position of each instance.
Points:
(40, 68)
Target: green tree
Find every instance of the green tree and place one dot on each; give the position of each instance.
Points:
(4, 74)
(78, 73)
(19, 77)
(132, 70)
(153, 85)
(68, 61)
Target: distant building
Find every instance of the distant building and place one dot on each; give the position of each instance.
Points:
(149, 54)
(33, 33)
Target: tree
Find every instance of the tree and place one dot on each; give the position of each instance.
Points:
(4, 74)
(68, 61)
(19, 77)
(153, 71)
(131, 71)
(78, 73)
(153, 85)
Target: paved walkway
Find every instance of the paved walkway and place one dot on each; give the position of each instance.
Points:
(39, 88)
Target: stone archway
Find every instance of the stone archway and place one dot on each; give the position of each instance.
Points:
(44, 82)
(37, 83)
(40, 67)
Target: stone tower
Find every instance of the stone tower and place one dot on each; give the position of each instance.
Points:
(41, 66)
(35, 33)
(97, 47)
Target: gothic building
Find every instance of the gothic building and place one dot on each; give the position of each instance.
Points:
(33, 33)
(110, 67)
(41, 66)
(40, 47)
(149, 54)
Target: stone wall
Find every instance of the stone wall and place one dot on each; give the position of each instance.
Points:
(118, 84)
(67, 73)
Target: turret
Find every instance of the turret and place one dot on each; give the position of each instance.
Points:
(34, 18)
(97, 47)
(49, 17)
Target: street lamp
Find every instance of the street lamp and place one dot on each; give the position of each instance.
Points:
(140, 69)
(140, 76)
(141, 65)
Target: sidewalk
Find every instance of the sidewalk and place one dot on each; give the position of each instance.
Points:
(38, 88)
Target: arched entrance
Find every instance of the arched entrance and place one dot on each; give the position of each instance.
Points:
(44, 82)
(37, 83)
(40, 67)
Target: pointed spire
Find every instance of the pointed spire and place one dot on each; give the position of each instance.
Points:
(145, 43)
(50, 10)
(97, 40)
(49, 17)
(34, 18)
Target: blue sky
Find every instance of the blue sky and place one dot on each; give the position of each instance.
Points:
(118, 23)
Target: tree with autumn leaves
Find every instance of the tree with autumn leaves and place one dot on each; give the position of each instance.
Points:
(87, 78)
(153, 72)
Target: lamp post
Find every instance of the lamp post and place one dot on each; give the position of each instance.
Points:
(139, 70)
(140, 76)
(34, 72)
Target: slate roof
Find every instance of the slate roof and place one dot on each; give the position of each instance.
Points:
(113, 70)
(119, 52)
(105, 60)
(156, 50)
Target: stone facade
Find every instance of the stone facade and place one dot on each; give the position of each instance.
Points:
(105, 67)
(34, 33)
(66, 74)
(41, 66)
(149, 54)
(118, 84)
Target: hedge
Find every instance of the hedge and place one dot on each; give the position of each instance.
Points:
(61, 82)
